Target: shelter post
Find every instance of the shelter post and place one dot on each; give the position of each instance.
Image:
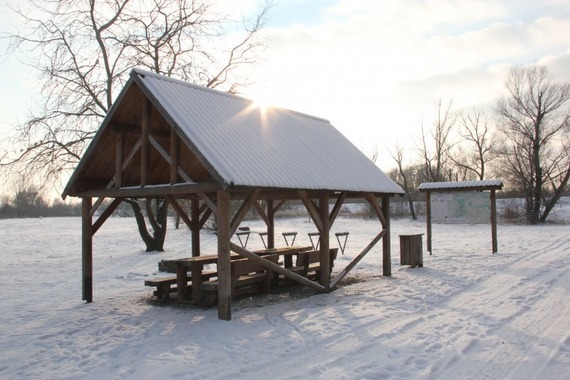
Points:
(224, 266)
(494, 220)
(386, 249)
(270, 224)
(325, 243)
(87, 249)
(428, 220)
(195, 217)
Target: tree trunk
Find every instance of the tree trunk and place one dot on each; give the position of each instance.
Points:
(412, 209)
(154, 241)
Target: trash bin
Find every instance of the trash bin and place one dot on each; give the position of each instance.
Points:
(411, 251)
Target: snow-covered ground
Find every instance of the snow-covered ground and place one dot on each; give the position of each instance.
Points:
(467, 314)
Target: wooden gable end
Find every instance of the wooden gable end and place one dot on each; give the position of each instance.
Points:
(127, 143)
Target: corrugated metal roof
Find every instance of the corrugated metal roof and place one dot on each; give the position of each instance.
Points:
(462, 185)
(279, 148)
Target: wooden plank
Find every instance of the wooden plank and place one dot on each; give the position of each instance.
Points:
(196, 226)
(179, 210)
(106, 214)
(86, 250)
(428, 220)
(311, 209)
(355, 261)
(152, 191)
(119, 160)
(494, 221)
(325, 241)
(336, 209)
(146, 113)
(379, 212)
(173, 156)
(243, 210)
(208, 201)
(386, 247)
(276, 268)
(168, 158)
(270, 224)
(95, 206)
(261, 213)
(224, 260)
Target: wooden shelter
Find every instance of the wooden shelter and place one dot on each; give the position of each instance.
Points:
(171, 139)
(492, 185)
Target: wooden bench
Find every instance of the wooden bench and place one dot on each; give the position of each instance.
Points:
(308, 263)
(247, 277)
(166, 285)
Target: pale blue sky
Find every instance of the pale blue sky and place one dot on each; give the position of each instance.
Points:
(372, 66)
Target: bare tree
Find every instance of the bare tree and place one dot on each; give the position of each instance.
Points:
(479, 144)
(534, 119)
(402, 178)
(82, 51)
(434, 146)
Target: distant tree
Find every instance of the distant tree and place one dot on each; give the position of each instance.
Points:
(6, 208)
(82, 50)
(478, 147)
(435, 143)
(405, 177)
(534, 121)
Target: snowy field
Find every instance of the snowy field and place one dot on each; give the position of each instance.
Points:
(467, 314)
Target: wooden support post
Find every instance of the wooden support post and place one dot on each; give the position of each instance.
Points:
(87, 249)
(173, 157)
(325, 241)
(196, 226)
(428, 220)
(494, 220)
(119, 160)
(386, 249)
(144, 142)
(270, 224)
(224, 266)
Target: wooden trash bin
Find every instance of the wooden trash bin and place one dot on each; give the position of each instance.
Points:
(411, 251)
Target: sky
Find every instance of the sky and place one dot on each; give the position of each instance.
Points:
(375, 68)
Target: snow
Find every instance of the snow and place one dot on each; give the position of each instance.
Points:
(466, 314)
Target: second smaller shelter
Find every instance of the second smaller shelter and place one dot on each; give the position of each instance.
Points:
(446, 187)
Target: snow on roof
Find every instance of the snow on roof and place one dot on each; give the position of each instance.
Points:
(462, 185)
(278, 148)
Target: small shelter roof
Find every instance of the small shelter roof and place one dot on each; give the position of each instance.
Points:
(230, 141)
(487, 184)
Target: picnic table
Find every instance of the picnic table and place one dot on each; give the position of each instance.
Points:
(196, 265)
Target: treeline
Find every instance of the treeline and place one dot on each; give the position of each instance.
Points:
(524, 139)
(29, 203)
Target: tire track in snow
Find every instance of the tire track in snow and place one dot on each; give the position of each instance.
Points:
(521, 295)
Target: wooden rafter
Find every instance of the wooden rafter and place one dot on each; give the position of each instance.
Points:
(357, 259)
(106, 214)
(379, 212)
(243, 210)
(168, 158)
(119, 159)
(179, 210)
(337, 206)
(312, 209)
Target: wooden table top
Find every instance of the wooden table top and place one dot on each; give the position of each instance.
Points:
(212, 259)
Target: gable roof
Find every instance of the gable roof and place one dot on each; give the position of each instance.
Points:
(241, 145)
